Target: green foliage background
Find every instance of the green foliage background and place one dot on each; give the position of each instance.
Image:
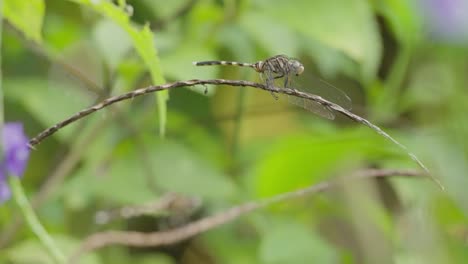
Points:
(234, 145)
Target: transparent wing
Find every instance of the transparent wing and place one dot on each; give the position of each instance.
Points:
(309, 105)
(326, 90)
(312, 106)
(316, 86)
(269, 78)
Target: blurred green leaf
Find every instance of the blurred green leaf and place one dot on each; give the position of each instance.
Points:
(204, 20)
(144, 44)
(207, 144)
(303, 160)
(113, 42)
(294, 243)
(432, 84)
(235, 39)
(26, 15)
(449, 160)
(403, 19)
(60, 32)
(270, 34)
(49, 102)
(345, 25)
(162, 8)
(32, 251)
(449, 214)
(330, 62)
(125, 180)
(129, 72)
(178, 64)
(153, 259)
(180, 170)
(233, 250)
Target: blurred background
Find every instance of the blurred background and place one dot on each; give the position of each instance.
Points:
(403, 63)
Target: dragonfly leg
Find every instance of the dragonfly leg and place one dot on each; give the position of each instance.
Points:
(279, 76)
(286, 81)
(270, 83)
(274, 95)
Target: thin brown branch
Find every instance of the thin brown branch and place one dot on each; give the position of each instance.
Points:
(130, 95)
(237, 83)
(167, 204)
(153, 239)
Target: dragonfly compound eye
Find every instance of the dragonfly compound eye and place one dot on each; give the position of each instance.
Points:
(297, 67)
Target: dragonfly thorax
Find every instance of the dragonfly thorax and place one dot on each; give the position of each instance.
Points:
(281, 65)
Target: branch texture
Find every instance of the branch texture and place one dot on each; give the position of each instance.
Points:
(138, 239)
(237, 83)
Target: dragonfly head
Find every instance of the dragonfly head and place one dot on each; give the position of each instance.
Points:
(297, 67)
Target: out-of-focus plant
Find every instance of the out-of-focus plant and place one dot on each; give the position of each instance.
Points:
(15, 156)
(402, 62)
(446, 20)
(13, 164)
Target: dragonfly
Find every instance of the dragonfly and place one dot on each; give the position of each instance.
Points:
(282, 66)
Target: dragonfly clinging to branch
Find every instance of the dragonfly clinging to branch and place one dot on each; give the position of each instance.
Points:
(282, 66)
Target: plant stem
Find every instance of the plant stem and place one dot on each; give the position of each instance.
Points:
(33, 221)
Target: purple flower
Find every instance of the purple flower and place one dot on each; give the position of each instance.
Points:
(15, 155)
(4, 190)
(447, 19)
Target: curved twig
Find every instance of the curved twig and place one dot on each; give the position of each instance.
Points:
(130, 95)
(153, 239)
(318, 99)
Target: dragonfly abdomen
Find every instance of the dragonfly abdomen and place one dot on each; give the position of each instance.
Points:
(230, 63)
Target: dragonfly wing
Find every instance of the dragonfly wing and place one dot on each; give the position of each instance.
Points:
(319, 109)
(314, 85)
(312, 106)
(336, 95)
(287, 80)
(269, 79)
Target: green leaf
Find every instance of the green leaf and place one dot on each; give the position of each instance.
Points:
(146, 47)
(125, 180)
(180, 170)
(164, 9)
(331, 62)
(272, 35)
(448, 155)
(205, 17)
(113, 42)
(294, 243)
(403, 19)
(431, 92)
(48, 101)
(303, 160)
(144, 44)
(153, 259)
(231, 251)
(31, 251)
(178, 64)
(61, 32)
(345, 25)
(26, 15)
(200, 138)
(236, 40)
